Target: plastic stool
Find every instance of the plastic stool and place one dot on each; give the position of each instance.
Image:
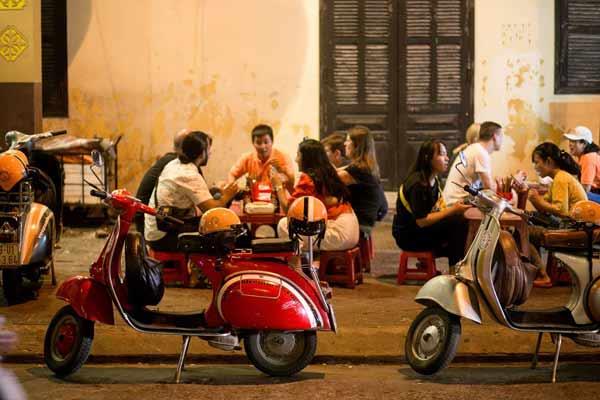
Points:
(341, 267)
(178, 274)
(367, 252)
(425, 271)
(557, 273)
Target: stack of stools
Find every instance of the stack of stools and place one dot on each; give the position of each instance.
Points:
(341, 267)
(175, 268)
(367, 251)
(425, 267)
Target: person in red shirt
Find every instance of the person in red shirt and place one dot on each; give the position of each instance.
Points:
(582, 147)
(258, 164)
(319, 178)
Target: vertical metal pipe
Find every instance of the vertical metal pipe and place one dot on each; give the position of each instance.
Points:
(184, 350)
(556, 354)
(537, 351)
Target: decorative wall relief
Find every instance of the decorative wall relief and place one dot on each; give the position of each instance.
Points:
(12, 4)
(12, 43)
(518, 35)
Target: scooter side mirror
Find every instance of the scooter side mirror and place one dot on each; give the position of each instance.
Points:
(463, 159)
(97, 159)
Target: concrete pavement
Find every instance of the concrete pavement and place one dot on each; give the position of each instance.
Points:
(317, 381)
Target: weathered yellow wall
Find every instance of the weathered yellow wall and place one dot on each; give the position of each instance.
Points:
(514, 80)
(149, 68)
(224, 65)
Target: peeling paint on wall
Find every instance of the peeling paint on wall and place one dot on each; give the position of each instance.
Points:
(527, 129)
(222, 79)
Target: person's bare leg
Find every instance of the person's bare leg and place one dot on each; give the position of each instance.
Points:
(536, 259)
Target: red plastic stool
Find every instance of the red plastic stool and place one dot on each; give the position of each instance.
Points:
(177, 274)
(367, 252)
(423, 272)
(341, 267)
(557, 273)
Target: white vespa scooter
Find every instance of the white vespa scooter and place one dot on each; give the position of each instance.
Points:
(494, 273)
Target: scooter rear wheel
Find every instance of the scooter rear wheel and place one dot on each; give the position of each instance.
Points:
(281, 353)
(432, 340)
(68, 342)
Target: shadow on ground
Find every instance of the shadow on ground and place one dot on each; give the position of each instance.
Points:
(509, 374)
(218, 375)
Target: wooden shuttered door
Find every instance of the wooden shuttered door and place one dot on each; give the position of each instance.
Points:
(402, 68)
(435, 55)
(578, 46)
(356, 73)
(54, 59)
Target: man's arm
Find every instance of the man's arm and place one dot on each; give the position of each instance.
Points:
(229, 191)
(487, 181)
(238, 169)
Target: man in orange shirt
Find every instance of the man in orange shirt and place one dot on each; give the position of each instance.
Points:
(258, 164)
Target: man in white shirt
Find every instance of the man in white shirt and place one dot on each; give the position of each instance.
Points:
(479, 164)
(182, 186)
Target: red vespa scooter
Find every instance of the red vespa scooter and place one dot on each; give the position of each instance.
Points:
(257, 297)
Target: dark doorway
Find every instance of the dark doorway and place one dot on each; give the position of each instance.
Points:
(401, 67)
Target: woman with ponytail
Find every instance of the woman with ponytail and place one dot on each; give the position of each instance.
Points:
(564, 191)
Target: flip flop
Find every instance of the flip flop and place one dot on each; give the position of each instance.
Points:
(542, 283)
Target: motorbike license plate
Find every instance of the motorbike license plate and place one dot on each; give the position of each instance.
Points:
(9, 253)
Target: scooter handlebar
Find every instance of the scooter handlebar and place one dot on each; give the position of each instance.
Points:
(98, 193)
(470, 190)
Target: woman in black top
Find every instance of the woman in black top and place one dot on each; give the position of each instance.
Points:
(421, 222)
(362, 178)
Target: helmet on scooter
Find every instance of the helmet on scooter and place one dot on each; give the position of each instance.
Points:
(218, 219)
(586, 211)
(13, 168)
(307, 216)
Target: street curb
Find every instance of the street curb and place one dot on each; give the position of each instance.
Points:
(322, 359)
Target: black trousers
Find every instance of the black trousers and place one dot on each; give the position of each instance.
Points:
(169, 241)
(446, 238)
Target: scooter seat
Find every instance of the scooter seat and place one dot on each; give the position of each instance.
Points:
(216, 244)
(568, 238)
(273, 245)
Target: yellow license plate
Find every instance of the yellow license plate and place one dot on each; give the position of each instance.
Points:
(9, 254)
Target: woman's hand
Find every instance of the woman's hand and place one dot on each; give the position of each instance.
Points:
(534, 195)
(458, 208)
(520, 186)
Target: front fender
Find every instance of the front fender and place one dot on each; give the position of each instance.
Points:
(89, 299)
(37, 238)
(452, 295)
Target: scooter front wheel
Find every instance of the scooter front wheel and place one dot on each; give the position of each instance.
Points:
(68, 342)
(281, 353)
(432, 340)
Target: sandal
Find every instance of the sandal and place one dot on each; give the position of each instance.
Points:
(545, 283)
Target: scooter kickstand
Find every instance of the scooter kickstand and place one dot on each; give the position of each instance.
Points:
(537, 351)
(184, 350)
(555, 366)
